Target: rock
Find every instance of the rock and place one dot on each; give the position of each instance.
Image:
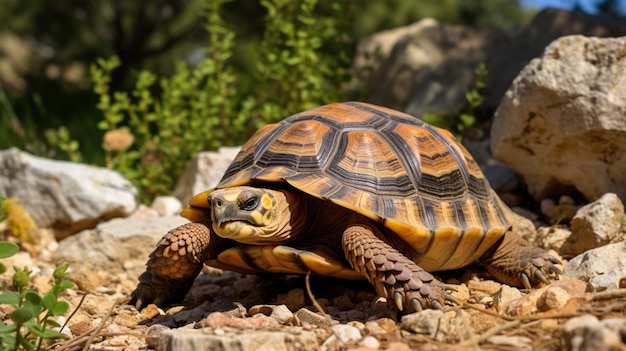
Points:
(534, 131)
(370, 342)
(65, 196)
(587, 333)
(113, 242)
(428, 322)
(594, 225)
(220, 320)
(346, 333)
(428, 66)
(381, 327)
(602, 267)
(166, 206)
(204, 172)
(552, 237)
(551, 297)
(308, 317)
(237, 340)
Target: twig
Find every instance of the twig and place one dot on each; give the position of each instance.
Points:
(99, 328)
(609, 294)
(310, 293)
(489, 333)
(80, 303)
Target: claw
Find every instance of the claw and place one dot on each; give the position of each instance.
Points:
(451, 299)
(397, 297)
(139, 302)
(417, 306)
(160, 298)
(539, 275)
(525, 281)
(436, 305)
(554, 269)
(554, 259)
(450, 287)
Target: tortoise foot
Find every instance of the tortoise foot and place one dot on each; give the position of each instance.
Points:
(404, 284)
(419, 292)
(173, 266)
(516, 262)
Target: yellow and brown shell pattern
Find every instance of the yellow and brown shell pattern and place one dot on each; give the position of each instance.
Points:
(414, 178)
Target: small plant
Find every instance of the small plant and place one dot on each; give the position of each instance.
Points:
(19, 223)
(32, 316)
(464, 122)
(152, 132)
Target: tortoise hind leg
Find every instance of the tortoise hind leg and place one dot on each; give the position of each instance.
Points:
(173, 266)
(514, 261)
(395, 277)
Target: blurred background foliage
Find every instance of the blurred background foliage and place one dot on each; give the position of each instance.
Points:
(143, 86)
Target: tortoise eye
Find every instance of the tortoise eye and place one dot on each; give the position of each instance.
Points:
(218, 203)
(250, 204)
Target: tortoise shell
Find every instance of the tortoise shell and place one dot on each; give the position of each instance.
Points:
(393, 168)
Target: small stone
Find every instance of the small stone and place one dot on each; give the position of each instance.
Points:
(602, 267)
(381, 327)
(346, 333)
(282, 314)
(428, 322)
(485, 287)
(149, 312)
(306, 316)
(153, 334)
(370, 342)
(587, 333)
(554, 298)
(504, 296)
(220, 320)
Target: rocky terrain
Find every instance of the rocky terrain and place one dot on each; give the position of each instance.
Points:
(560, 127)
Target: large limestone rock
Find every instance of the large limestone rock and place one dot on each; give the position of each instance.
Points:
(66, 196)
(204, 172)
(562, 124)
(428, 66)
(114, 242)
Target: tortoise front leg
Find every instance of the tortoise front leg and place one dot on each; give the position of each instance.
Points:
(173, 265)
(395, 277)
(514, 261)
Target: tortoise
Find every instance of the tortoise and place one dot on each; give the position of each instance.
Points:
(348, 190)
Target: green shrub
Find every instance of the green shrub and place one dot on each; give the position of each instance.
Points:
(31, 318)
(464, 122)
(153, 131)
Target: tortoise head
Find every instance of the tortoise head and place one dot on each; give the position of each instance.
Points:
(253, 215)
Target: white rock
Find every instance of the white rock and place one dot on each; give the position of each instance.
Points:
(595, 224)
(113, 242)
(561, 130)
(587, 333)
(204, 172)
(346, 333)
(237, 340)
(429, 322)
(63, 195)
(166, 206)
(602, 267)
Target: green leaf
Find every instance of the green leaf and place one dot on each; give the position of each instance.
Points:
(9, 298)
(60, 308)
(25, 343)
(8, 249)
(5, 329)
(21, 315)
(49, 300)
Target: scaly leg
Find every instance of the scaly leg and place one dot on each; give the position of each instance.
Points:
(395, 277)
(514, 261)
(173, 265)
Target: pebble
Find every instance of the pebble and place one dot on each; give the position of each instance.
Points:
(306, 316)
(587, 333)
(427, 322)
(370, 342)
(346, 333)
